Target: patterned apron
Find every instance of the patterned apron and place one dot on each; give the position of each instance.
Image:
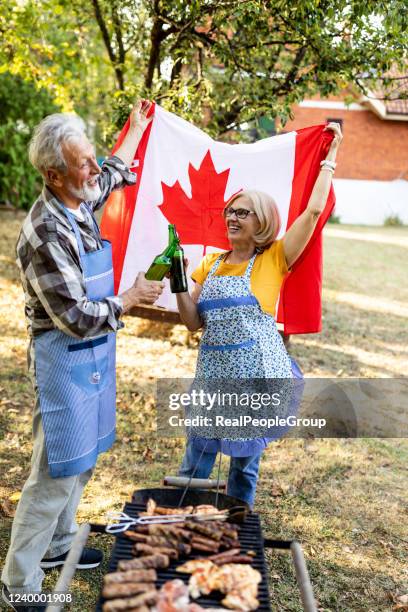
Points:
(241, 341)
(76, 378)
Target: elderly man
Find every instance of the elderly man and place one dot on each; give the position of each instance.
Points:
(72, 313)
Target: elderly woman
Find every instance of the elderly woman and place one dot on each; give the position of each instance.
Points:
(234, 300)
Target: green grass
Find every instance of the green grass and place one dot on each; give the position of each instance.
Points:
(344, 500)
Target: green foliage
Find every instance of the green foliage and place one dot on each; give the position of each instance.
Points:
(335, 219)
(221, 65)
(393, 221)
(23, 106)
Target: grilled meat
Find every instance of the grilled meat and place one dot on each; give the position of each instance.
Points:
(234, 559)
(173, 596)
(146, 549)
(141, 575)
(171, 511)
(195, 564)
(152, 561)
(237, 581)
(117, 605)
(225, 555)
(111, 591)
(206, 529)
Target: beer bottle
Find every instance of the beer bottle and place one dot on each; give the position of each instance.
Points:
(162, 263)
(178, 279)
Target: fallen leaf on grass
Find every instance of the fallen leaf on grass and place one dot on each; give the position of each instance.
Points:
(148, 455)
(276, 490)
(400, 601)
(15, 470)
(14, 497)
(6, 509)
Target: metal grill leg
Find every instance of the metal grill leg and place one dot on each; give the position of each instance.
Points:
(191, 477)
(68, 570)
(302, 577)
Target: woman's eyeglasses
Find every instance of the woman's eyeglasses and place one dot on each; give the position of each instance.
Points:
(240, 213)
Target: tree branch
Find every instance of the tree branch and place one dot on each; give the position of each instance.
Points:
(106, 39)
(118, 34)
(104, 31)
(290, 77)
(155, 42)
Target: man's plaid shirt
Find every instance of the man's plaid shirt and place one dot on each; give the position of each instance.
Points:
(51, 274)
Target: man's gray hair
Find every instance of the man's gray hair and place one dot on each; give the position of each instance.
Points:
(45, 149)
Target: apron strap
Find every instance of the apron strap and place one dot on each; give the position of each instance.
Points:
(216, 265)
(96, 226)
(246, 276)
(250, 265)
(74, 225)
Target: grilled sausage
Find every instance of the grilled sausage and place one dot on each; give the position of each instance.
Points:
(117, 605)
(152, 561)
(210, 544)
(146, 549)
(111, 591)
(234, 559)
(142, 575)
(205, 529)
(225, 555)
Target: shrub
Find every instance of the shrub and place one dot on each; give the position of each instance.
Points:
(22, 108)
(393, 221)
(334, 218)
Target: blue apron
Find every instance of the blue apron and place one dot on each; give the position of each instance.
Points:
(240, 340)
(76, 378)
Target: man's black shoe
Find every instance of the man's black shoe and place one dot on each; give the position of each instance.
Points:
(6, 595)
(90, 558)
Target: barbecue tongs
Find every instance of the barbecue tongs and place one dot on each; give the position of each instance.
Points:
(123, 521)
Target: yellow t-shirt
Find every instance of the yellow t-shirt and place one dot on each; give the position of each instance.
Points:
(267, 274)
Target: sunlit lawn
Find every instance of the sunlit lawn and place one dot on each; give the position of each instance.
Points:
(345, 501)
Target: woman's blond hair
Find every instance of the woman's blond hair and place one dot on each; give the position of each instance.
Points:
(267, 212)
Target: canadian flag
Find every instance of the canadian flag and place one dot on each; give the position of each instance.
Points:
(185, 177)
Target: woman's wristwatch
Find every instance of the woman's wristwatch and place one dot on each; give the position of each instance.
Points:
(326, 164)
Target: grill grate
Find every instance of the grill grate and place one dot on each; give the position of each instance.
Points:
(250, 537)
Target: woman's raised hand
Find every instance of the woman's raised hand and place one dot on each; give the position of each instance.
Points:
(334, 127)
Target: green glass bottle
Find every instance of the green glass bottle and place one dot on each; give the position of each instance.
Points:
(162, 263)
(178, 278)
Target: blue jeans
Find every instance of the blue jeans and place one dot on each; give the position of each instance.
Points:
(243, 471)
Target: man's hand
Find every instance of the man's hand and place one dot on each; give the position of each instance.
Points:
(142, 292)
(138, 115)
(137, 126)
(148, 291)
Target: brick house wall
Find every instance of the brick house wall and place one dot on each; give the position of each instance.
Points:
(372, 148)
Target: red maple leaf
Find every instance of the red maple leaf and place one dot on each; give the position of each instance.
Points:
(198, 219)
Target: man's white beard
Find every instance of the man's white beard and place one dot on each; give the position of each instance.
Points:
(87, 193)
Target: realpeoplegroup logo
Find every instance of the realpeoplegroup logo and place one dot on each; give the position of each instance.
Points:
(243, 421)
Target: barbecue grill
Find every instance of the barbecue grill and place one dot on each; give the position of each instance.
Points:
(250, 536)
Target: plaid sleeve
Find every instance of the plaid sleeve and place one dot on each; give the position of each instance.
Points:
(115, 175)
(57, 280)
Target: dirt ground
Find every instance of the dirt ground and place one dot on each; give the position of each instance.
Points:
(344, 500)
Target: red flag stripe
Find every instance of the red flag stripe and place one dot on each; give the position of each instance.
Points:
(300, 299)
(120, 207)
